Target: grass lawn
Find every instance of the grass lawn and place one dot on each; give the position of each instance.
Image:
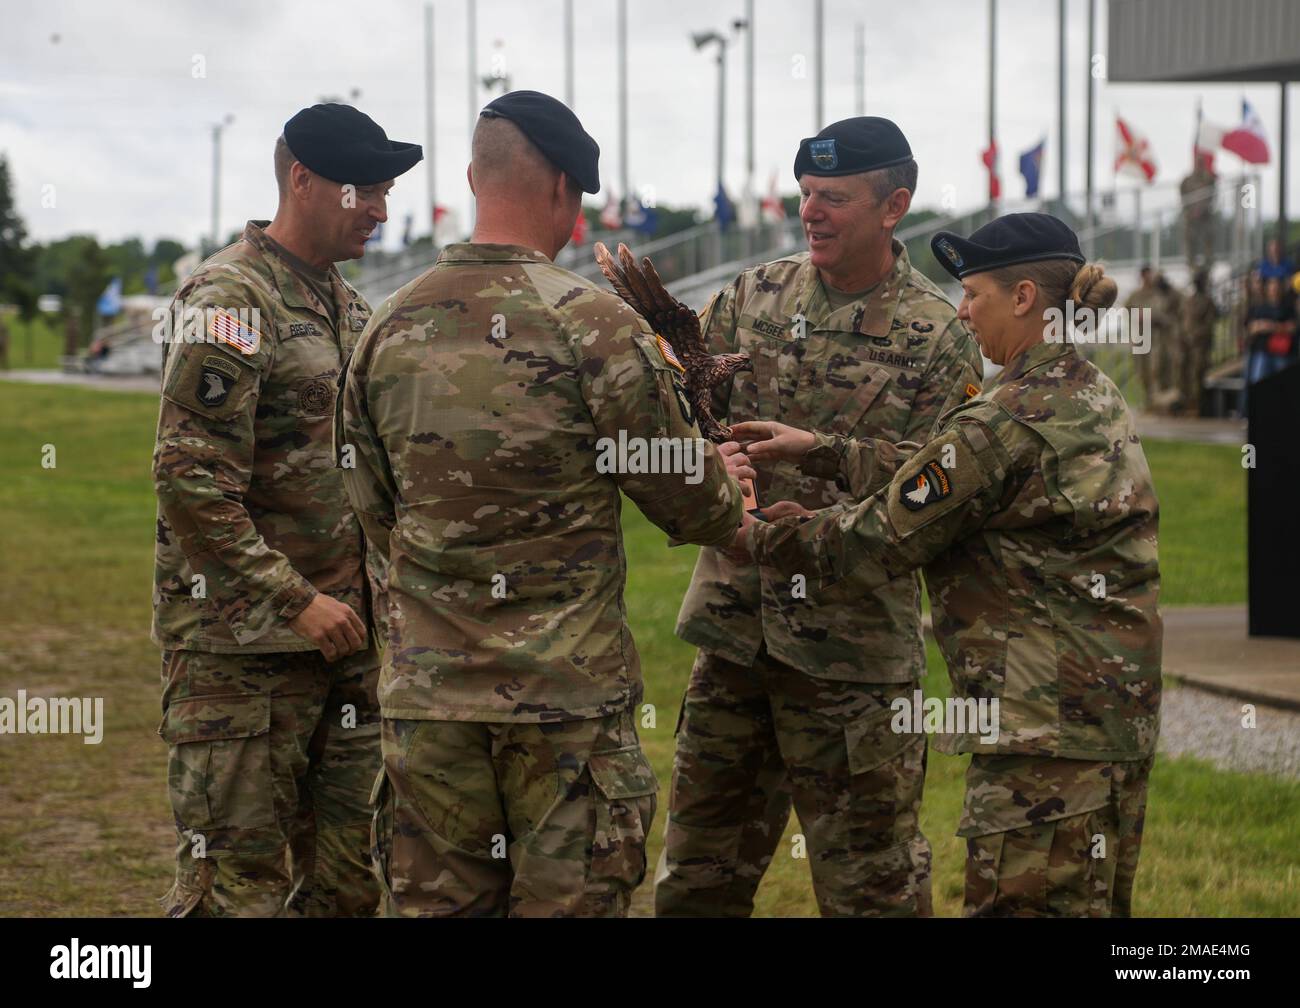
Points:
(85, 830)
(38, 344)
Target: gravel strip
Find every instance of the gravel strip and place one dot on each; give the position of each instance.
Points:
(1209, 726)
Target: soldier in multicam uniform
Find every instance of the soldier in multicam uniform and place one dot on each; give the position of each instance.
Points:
(1197, 332)
(1033, 516)
(260, 603)
(791, 688)
(480, 403)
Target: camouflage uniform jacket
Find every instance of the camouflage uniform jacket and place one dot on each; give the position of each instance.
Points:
(248, 494)
(883, 367)
(1034, 517)
(479, 402)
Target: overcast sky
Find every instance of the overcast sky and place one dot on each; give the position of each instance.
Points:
(113, 116)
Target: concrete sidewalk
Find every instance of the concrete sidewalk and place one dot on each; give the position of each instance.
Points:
(1207, 646)
(108, 383)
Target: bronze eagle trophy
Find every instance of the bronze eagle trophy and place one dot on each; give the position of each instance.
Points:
(646, 294)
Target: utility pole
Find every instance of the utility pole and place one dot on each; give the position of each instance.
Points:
(702, 39)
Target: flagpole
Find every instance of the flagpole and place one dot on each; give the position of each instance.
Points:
(1087, 186)
(1282, 169)
(622, 102)
(819, 23)
(993, 61)
(430, 159)
(472, 60)
(1060, 101)
(568, 53)
(860, 62)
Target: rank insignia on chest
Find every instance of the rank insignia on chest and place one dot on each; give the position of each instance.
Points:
(217, 376)
(929, 485)
(666, 350)
(227, 328)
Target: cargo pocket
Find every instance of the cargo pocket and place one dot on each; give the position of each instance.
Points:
(887, 774)
(1029, 825)
(219, 766)
(627, 795)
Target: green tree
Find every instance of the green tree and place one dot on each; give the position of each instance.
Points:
(86, 277)
(17, 259)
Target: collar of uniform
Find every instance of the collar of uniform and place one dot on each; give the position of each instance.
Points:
(481, 252)
(293, 290)
(877, 309)
(1033, 358)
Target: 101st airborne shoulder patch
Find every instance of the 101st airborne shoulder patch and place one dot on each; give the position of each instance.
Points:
(217, 376)
(929, 485)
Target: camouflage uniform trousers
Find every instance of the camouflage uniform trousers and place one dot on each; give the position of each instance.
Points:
(512, 819)
(753, 740)
(1052, 837)
(271, 760)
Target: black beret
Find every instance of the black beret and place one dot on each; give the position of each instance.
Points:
(555, 131)
(345, 145)
(850, 146)
(1014, 238)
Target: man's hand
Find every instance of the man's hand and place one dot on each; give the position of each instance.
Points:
(767, 442)
(331, 626)
(738, 467)
(738, 551)
(786, 509)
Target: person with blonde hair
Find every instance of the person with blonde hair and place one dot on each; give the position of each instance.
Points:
(1033, 515)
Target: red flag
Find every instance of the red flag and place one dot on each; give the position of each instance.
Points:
(990, 158)
(772, 209)
(1133, 153)
(579, 235)
(1248, 141)
(610, 218)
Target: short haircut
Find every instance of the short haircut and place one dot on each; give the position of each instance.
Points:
(883, 181)
(284, 160)
(503, 156)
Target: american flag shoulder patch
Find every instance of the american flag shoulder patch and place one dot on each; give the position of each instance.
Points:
(225, 327)
(666, 349)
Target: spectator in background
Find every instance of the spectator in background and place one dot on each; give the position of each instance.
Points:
(1275, 265)
(1270, 334)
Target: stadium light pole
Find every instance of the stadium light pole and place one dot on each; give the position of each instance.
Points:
(702, 39)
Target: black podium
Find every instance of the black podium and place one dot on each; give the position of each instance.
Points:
(1273, 506)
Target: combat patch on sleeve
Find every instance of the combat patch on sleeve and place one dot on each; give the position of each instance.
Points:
(225, 327)
(930, 485)
(941, 477)
(683, 402)
(216, 378)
